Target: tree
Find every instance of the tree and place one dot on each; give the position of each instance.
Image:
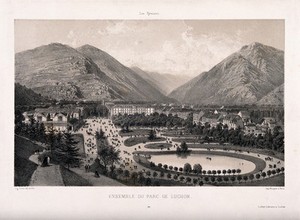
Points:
(141, 177)
(126, 174)
(134, 176)
(154, 174)
(219, 179)
(165, 166)
(51, 138)
(232, 178)
(109, 155)
(269, 172)
(181, 178)
(187, 167)
(263, 174)
(184, 147)
(224, 172)
(245, 178)
(206, 179)
(162, 174)
(197, 168)
(120, 171)
(251, 177)
(233, 171)
(169, 175)
(257, 176)
(148, 173)
(152, 135)
(188, 179)
(68, 152)
(219, 172)
(148, 182)
(239, 178)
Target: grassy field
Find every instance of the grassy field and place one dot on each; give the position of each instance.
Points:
(158, 145)
(80, 145)
(138, 140)
(135, 132)
(24, 168)
(72, 179)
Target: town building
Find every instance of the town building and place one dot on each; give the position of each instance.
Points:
(233, 121)
(54, 118)
(245, 115)
(210, 118)
(197, 116)
(131, 109)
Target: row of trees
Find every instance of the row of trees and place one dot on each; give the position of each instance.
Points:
(62, 147)
(108, 156)
(271, 140)
(155, 119)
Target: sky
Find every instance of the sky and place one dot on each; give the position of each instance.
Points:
(166, 46)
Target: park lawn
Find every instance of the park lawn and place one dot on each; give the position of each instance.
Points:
(135, 132)
(72, 179)
(24, 168)
(138, 140)
(80, 144)
(158, 145)
(186, 139)
(178, 135)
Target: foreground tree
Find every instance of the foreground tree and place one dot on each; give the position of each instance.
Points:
(109, 155)
(67, 152)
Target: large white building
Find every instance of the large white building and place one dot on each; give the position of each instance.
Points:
(53, 118)
(131, 109)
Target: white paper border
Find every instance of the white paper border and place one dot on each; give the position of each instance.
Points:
(93, 202)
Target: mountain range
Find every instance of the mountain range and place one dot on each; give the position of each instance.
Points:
(248, 76)
(252, 75)
(165, 83)
(86, 73)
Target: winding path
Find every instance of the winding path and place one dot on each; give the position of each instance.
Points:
(45, 176)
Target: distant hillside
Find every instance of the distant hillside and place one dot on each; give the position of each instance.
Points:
(61, 72)
(244, 77)
(165, 83)
(25, 96)
(139, 87)
(275, 97)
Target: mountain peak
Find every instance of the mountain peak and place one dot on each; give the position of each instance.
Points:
(244, 77)
(88, 46)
